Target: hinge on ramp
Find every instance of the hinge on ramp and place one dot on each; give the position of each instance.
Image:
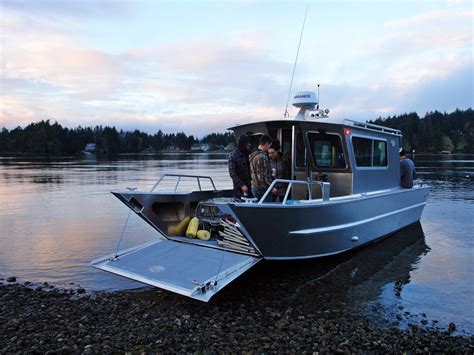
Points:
(203, 287)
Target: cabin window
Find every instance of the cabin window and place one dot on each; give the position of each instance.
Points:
(286, 140)
(369, 152)
(327, 150)
(300, 159)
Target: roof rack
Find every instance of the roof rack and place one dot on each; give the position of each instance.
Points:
(373, 127)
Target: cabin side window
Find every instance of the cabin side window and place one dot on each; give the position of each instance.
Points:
(327, 150)
(370, 152)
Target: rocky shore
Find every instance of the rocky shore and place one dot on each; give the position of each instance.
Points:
(45, 319)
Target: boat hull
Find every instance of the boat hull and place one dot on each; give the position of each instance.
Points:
(302, 231)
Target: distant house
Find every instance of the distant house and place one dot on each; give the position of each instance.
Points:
(200, 147)
(148, 150)
(90, 148)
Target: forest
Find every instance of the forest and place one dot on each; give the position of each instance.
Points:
(435, 132)
(44, 138)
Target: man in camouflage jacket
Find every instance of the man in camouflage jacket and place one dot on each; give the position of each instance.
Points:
(260, 169)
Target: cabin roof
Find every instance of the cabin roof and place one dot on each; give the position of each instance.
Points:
(290, 121)
(328, 120)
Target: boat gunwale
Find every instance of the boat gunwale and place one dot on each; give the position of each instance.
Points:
(331, 201)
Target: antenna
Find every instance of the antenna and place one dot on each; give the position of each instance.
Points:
(296, 61)
(317, 107)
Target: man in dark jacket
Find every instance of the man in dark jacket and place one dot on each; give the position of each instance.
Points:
(407, 170)
(239, 169)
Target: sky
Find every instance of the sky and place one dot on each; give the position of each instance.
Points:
(202, 66)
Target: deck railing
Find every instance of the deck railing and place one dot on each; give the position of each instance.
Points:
(325, 189)
(178, 180)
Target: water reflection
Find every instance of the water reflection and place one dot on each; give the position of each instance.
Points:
(354, 277)
(388, 266)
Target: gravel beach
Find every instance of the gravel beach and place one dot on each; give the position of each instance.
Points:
(44, 319)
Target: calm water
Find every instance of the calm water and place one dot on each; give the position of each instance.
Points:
(56, 215)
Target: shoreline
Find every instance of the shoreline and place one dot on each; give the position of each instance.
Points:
(73, 321)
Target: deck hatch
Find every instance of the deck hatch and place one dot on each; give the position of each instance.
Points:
(179, 267)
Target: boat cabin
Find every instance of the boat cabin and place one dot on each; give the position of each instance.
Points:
(353, 157)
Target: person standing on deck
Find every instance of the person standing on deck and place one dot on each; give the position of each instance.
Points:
(239, 168)
(261, 170)
(280, 169)
(407, 170)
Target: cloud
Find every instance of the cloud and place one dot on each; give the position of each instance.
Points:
(34, 49)
(56, 8)
(206, 82)
(447, 93)
(432, 17)
(443, 93)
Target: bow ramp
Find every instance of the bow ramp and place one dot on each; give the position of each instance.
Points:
(188, 269)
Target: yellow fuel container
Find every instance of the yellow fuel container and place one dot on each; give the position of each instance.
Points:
(192, 228)
(203, 234)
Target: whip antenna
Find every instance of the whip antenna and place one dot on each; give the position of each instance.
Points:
(296, 61)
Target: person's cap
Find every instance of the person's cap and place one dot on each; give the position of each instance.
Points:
(244, 141)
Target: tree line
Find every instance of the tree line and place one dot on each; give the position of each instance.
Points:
(44, 138)
(435, 132)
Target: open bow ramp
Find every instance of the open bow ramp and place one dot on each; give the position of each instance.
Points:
(190, 270)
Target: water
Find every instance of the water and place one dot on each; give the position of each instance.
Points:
(56, 215)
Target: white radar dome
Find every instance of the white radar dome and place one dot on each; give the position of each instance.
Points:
(306, 99)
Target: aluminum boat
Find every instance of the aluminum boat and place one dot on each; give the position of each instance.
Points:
(344, 193)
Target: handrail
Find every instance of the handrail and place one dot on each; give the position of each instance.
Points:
(325, 189)
(373, 127)
(179, 176)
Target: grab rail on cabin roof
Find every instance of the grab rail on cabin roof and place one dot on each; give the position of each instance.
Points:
(325, 189)
(373, 127)
(178, 180)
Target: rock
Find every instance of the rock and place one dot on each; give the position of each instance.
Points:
(81, 290)
(11, 279)
(451, 327)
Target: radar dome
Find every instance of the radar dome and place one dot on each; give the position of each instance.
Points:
(306, 99)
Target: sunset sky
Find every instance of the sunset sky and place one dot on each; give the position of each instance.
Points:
(201, 67)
